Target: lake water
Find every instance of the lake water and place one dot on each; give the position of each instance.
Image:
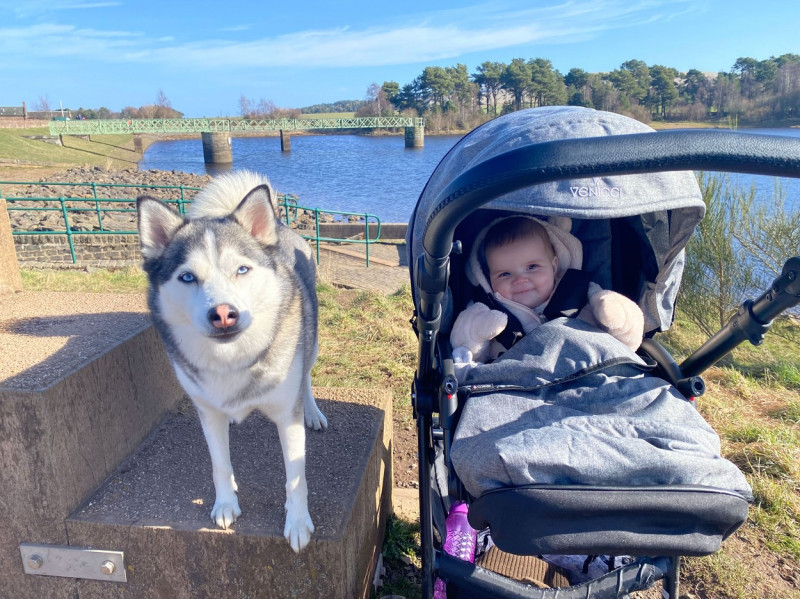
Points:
(356, 173)
(352, 173)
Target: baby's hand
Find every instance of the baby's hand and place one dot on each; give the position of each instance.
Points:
(475, 327)
(617, 315)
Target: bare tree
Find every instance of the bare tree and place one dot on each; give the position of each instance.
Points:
(42, 104)
(266, 108)
(245, 107)
(163, 107)
(377, 102)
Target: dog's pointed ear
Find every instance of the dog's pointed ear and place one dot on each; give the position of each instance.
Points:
(157, 224)
(256, 213)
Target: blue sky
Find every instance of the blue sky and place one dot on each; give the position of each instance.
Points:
(206, 55)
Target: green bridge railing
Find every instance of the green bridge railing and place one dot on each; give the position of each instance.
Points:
(190, 125)
(91, 214)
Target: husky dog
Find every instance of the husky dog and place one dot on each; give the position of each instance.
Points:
(232, 294)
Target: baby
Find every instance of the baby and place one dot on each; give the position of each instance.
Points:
(519, 261)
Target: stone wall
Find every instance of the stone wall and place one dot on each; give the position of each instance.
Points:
(89, 249)
(12, 122)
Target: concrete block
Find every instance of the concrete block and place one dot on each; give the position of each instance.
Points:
(157, 510)
(67, 421)
(10, 280)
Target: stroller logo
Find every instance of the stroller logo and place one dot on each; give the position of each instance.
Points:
(596, 190)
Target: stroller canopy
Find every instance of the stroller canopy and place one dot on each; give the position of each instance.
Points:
(661, 209)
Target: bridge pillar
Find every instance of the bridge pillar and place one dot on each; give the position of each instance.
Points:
(286, 141)
(217, 147)
(415, 137)
(137, 143)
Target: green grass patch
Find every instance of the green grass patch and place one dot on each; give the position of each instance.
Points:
(790, 413)
(401, 549)
(123, 280)
(722, 576)
(785, 375)
(108, 150)
(776, 514)
(365, 340)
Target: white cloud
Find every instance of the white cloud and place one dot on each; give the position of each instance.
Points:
(53, 41)
(237, 28)
(434, 36)
(27, 8)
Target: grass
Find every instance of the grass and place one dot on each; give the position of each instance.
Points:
(753, 402)
(366, 341)
(401, 547)
(112, 151)
(125, 280)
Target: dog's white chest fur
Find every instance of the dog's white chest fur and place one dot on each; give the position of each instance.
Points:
(239, 392)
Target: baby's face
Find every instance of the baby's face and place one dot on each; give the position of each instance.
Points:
(522, 271)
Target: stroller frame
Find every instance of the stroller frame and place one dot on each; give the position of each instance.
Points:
(435, 387)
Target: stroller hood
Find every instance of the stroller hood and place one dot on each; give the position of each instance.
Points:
(673, 196)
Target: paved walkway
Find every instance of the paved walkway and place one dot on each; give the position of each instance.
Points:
(344, 265)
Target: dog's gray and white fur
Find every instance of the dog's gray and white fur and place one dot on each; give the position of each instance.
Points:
(232, 294)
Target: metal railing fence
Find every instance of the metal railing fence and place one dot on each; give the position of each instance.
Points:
(222, 124)
(91, 214)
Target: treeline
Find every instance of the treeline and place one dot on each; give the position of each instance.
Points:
(160, 109)
(338, 106)
(753, 91)
(149, 111)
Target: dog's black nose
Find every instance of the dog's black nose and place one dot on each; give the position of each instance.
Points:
(223, 316)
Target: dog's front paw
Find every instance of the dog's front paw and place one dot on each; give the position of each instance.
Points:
(298, 530)
(224, 513)
(315, 419)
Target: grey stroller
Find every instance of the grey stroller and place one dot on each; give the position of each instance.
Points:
(496, 438)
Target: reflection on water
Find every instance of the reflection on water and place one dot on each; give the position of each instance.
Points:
(359, 173)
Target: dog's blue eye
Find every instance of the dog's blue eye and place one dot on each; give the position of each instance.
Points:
(243, 270)
(187, 277)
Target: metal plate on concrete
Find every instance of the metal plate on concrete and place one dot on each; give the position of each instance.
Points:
(73, 562)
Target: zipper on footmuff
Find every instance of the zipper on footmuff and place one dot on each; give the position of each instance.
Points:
(470, 390)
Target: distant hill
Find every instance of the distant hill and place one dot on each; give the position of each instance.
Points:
(338, 106)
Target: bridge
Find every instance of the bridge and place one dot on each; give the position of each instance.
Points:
(216, 132)
(227, 125)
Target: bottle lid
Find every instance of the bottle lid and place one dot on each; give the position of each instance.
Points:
(459, 507)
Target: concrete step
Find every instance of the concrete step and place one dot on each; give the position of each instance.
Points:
(156, 509)
(84, 382)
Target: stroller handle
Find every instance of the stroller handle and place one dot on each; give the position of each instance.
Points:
(601, 156)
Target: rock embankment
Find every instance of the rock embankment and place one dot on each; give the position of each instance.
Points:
(75, 183)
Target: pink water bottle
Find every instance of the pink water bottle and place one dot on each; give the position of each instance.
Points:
(459, 542)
